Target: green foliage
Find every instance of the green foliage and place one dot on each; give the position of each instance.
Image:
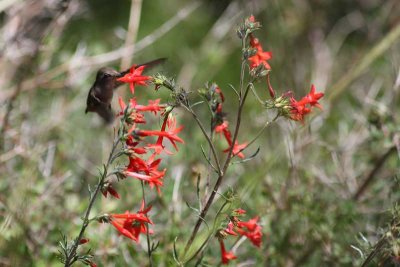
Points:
(303, 181)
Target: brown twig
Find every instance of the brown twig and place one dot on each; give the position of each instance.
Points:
(98, 60)
(242, 99)
(133, 27)
(10, 106)
(372, 174)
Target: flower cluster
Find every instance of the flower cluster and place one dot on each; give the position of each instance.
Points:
(132, 224)
(142, 152)
(135, 77)
(286, 104)
(303, 107)
(236, 227)
(260, 56)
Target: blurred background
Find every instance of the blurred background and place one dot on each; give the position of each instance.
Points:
(325, 191)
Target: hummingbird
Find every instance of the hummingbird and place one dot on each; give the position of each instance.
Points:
(102, 91)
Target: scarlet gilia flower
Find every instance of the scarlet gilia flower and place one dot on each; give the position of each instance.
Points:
(303, 107)
(237, 148)
(222, 128)
(153, 106)
(261, 56)
(249, 26)
(158, 146)
(230, 229)
(170, 134)
(131, 225)
(250, 229)
(83, 241)
(240, 211)
(132, 148)
(225, 256)
(270, 89)
(251, 19)
(92, 264)
(133, 115)
(134, 77)
(218, 91)
(151, 179)
(146, 171)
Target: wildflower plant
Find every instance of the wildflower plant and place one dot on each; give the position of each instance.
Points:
(143, 147)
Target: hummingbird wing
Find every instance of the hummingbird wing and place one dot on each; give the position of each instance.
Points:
(106, 113)
(148, 65)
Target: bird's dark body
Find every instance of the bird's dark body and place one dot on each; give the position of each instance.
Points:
(102, 91)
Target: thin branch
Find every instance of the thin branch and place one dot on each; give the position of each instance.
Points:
(10, 106)
(391, 38)
(260, 132)
(372, 174)
(256, 96)
(203, 130)
(221, 175)
(71, 257)
(208, 161)
(208, 179)
(133, 26)
(149, 250)
(102, 59)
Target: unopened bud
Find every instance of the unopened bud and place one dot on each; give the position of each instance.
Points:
(83, 241)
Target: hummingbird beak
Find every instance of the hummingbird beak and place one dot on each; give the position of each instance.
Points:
(122, 74)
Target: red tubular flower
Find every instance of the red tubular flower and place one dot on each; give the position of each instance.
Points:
(83, 241)
(135, 77)
(132, 146)
(152, 179)
(222, 128)
(146, 171)
(270, 89)
(171, 134)
(158, 146)
(92, 264)
(150, 166)
(252, 19)
(303, 107)
(255, 236)
(250, 229)
(240, 211)
(261, 56)
(221, 95)
(230, 229)
(153, 106)
(225, 256)
(134, 115)
(312, 97)
(250, 225)
(122, 105)
(237, 148)
(131, 224)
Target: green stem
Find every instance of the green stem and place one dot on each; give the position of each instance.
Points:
(242, 99)
(149, 252)
(71, 257)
